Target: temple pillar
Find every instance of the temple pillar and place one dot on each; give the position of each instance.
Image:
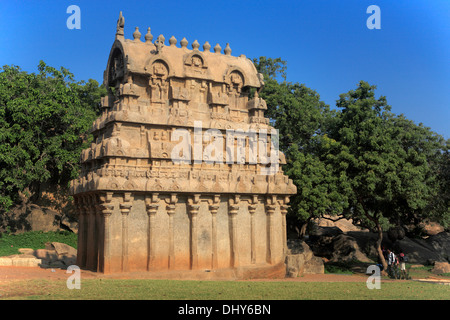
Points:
(213, 208)
(152, 205)
(171, 202)
(193, 208)
(100, 235)
(252, 210)
(270, 210)
(82, 232)
(233, 208)
(125, 208)
(90, 238)
(284, 209)
(106, 208)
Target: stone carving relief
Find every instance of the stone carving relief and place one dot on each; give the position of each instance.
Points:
(149, 212)
(159, 86)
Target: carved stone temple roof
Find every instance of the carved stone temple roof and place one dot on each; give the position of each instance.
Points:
(156, 87)
(182, 61)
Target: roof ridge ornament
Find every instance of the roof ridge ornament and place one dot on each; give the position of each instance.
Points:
(159, 43)
(120, 26)
(184, 43)
(195, 45)
(173, 41)
(148, 36)
(217, 48)
(227, 50)
(137, 34)
(206, 47)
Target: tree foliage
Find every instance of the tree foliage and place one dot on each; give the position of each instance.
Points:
(360, 161)
(388, 161)
(44, 120)
(301, 118)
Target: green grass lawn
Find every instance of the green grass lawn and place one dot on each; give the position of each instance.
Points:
(112, 289)
(10, 243)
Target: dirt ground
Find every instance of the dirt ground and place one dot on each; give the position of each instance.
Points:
(8, 274)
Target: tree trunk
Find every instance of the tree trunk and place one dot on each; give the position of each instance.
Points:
(302, 232)
(378, 246)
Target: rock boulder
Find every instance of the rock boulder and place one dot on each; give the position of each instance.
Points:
(301, 260)
(441, 267)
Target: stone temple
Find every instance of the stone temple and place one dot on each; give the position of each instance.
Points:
(183, 175)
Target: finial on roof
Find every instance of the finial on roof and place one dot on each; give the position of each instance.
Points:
(159, 43)
(137, 35)
(148, 36)
(184, 43)
(195, 45)
(172, 41)
(217, 48)
(227, 50)
(206, 47)
(120, 25)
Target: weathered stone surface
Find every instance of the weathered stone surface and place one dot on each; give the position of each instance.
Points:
(20, 260)
(441, 267)
(346, 248)
(31, 217)
(338, 247)
(26, 251)
(300, 260)
(5, 262)
(345, 225)
(57, 254)
(45, 254)
(313, 266)
(182, 173)
(63, 249)
(432, 228)
(426, 251)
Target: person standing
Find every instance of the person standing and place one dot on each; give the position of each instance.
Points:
(391, 262)
(403, 259)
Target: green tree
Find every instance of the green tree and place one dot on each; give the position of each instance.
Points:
(387, 160)
(301, 118)
(44, 123)
(439, 208)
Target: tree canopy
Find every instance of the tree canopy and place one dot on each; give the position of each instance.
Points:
(302, 120)
(359, 161)
(44, 123)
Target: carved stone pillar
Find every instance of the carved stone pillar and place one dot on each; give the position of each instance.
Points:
(171, 202)
(284, 209)
(152, 205)
(270, 210)
(125, 208)
(213, 208)
(100, 234)
(106, 208)
(82, 232)
(193, 208)
(252, 209)
(90, 249)
(233, 208)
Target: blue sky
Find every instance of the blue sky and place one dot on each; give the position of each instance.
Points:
(325, 42)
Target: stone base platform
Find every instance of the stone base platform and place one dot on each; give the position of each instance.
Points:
(241, 273)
